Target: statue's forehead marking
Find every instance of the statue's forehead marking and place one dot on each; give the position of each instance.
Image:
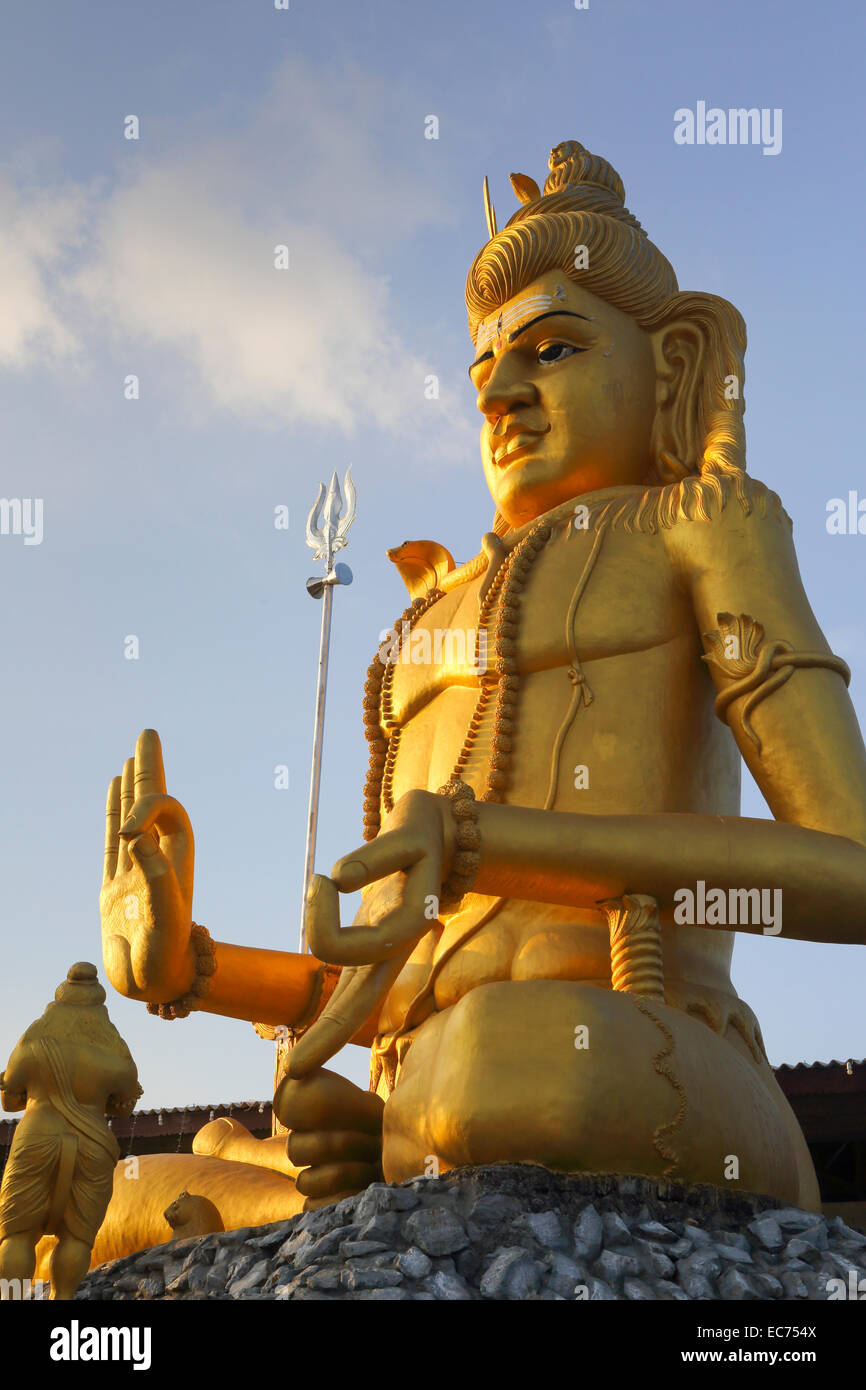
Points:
(492, 329)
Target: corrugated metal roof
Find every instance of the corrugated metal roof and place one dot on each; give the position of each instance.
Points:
(820, 1066)
(200, 1109)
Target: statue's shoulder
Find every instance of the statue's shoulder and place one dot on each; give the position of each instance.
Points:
(701, 501)
(725, 522)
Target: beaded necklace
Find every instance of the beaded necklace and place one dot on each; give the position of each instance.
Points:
(381, 727)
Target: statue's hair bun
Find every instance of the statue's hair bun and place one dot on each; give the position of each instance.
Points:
(81, 985)
(578, 182)
(571, 164)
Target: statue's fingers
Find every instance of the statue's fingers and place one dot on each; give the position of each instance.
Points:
(360, 992)
(127, 797)
(336, 1177)
(333, 1146)
(417, 910)
(112, 825)
(154, 810)
(149, 769)
(146, 853)
(326, 938)
(165, 820)
(314, 1203)
(356, 945)
(320, 1043)
(391, 851)
(327, 1101)
(419, 904)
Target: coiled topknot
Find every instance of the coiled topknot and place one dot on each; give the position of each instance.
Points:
(583, 203)
(571, 163)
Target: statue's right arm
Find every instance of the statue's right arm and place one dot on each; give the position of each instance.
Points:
(274, 987)
(146, 910)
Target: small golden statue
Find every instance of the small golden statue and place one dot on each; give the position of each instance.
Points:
(554, 862)
(70, 1069)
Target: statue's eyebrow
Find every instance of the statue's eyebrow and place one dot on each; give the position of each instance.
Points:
(550, 314)
(485, 356)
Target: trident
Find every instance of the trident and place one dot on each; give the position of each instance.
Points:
(326, 534)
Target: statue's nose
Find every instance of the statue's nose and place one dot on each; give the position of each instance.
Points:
(503, 392)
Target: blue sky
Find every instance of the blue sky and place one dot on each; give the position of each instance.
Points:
(154, 257)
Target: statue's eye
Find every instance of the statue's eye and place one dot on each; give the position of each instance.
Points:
(555, 352)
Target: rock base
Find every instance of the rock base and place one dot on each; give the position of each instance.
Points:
(510, 1231)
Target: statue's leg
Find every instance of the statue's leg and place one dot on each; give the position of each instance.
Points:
(145, 1185)
(228, 1138)
(17, 1263)
(70, 1261)
(585, 1079)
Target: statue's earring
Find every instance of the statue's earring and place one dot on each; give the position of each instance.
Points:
(668, 467)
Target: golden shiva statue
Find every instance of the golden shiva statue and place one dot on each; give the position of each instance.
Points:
(544, 799)
(70, 1069)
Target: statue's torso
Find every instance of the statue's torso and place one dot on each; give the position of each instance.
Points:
(94, 1074)
(645, 741)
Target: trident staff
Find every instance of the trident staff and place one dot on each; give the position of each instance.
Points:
(327, 526)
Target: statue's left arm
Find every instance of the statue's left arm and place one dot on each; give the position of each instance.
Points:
(126, 1091)
(779, 687)
(784, 695)
(13, 1081)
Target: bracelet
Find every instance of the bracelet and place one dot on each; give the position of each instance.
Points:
(467, 858)
(205, 965)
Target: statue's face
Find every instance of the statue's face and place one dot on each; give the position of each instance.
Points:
(566, 384)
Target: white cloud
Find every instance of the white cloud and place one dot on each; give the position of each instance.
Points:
(180, 256)
(178, 266)
(36, 232)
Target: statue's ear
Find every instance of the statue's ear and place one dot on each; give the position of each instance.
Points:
(680, 351)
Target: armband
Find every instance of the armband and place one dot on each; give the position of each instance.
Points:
(738, 649)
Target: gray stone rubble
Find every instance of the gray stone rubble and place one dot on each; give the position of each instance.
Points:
(511, 1231)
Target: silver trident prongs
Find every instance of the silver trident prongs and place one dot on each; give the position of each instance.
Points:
(326, 531)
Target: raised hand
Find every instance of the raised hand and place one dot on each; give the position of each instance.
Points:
(146, 898)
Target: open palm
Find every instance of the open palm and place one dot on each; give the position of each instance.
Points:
(146, 898)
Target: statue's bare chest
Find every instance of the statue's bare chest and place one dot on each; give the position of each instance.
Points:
(581, 599)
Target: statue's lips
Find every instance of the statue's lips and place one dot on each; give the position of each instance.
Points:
(516, 444)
